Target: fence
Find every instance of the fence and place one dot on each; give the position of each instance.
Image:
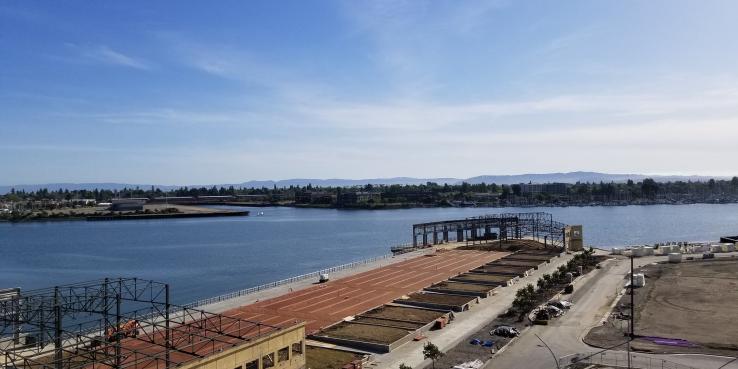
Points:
(406, 247)
(620, 359)
(266, 286)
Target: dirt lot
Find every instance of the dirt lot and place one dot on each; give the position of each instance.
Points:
(324, 358)
(458, 286)
(512, 245)
(528, 257)
(410, 326)
(439, 298)
(366, 333)
(692, 303)
(517, 270)
(484, 277)
(530, 264)
(549, 252)
(403, 313)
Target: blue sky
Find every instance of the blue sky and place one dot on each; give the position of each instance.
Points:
(179, 92)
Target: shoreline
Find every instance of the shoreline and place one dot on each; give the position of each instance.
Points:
(308, 206)
(98, 218)
(151, 212)
(481, 206)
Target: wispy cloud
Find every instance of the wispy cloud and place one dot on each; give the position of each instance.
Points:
(107, 55)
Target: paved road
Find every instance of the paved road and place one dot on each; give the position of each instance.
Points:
(465, 323)
(594, 294)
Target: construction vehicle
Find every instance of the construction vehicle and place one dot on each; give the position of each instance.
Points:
(127, 329)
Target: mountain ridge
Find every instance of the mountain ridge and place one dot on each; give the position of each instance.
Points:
(565, 177)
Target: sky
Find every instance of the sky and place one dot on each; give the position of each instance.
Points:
(186, 92)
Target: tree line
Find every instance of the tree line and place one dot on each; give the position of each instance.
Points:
(429, 192)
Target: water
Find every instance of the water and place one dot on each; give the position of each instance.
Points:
(203, 257)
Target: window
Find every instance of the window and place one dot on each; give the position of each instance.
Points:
(253, 365)
(283, 354)
(267, 361)
(296, 348)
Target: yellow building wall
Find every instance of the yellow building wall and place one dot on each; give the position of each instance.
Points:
(237, 357)
(574, 238)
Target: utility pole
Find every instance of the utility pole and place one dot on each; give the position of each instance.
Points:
(632, 309)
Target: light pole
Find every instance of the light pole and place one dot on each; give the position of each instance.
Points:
(632, 309)
(549, 350)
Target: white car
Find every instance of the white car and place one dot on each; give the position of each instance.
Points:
(554, 311)
(561, 304)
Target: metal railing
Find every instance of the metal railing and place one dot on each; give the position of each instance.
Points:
(620, 359)
(266, 286)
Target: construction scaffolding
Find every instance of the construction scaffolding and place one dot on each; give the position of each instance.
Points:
(536, 226)
(112, 324)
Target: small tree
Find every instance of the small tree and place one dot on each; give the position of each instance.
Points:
(547, 281)
(556, 277)
(541, 283)
(431, 351)
(403, 366)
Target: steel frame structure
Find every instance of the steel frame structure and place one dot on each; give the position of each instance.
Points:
(78, 326)
(535, 226)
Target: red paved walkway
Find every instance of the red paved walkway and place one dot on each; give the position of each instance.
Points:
(319, 306)
(328, 303)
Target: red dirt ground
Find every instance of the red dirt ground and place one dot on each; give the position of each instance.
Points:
(321, 305)
(326, 304)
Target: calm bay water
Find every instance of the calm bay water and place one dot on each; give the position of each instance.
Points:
(210, 256)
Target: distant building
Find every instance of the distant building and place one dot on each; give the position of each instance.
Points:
(225, 198)
(131, 204)
(314, 197)
(357, 197)
(544, 188)
(174, 200)
(83, 201)
(287, 196)
(253, 198)
(408, 196)
(484, 196)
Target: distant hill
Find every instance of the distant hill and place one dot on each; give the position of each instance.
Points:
(337, 182)
(570, 177)
(574, 177)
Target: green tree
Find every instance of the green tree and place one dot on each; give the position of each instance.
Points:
(403, 366)
(547, 279)
(541, 283)
(516, 189)
(431, 351)
(649, 187)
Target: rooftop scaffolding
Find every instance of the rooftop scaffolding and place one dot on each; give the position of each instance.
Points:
(124, 323)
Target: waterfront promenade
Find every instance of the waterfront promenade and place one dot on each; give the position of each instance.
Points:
(320, 305)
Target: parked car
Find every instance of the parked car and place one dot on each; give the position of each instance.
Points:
(505, 331)
(542, 315)
(561, 304)
(554, 311)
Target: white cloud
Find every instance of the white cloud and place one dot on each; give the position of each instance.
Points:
(105, 54)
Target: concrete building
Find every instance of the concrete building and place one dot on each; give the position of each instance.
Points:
(574, 238)
(283, 349)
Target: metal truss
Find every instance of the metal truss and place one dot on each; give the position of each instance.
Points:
(537, 226)
(112, 324)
